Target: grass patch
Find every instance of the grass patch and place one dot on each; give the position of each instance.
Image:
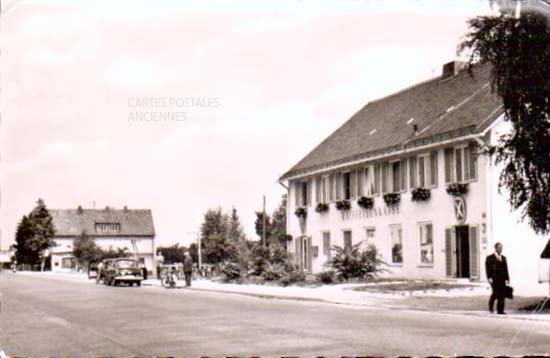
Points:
(411, 286)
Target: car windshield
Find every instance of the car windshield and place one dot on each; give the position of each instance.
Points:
(126, 263)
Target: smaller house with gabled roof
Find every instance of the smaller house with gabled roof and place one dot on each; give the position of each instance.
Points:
(407, 174)
(130, 229)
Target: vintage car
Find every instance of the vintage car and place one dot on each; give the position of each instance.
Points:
(122, 270)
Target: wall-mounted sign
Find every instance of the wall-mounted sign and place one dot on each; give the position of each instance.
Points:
(460, 209)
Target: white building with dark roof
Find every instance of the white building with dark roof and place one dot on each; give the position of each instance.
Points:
(132, 229)
(406, 174)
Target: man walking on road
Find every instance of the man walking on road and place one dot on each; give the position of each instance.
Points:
(187, 268)
(497, 275)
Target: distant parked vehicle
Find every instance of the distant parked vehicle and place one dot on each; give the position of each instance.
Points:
(122, 270)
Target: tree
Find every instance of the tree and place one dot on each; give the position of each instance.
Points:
(519, 50)
(44, 230)
(278, 224)
(85, 250)
(259, 224)
(35, 235)
(236, 233)
(24, 254)
(172, 254)
(215, 246)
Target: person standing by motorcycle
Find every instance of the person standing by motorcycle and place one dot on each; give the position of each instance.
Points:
(187, 268)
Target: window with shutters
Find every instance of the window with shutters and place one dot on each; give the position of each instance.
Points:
(347, 240)
(303, 193)
(369, 184)
(346, 185)
(396, 238)
(461, 164)
(425, 231)
(396, 176)
(326, 245)
(423, 170)
(318, 190)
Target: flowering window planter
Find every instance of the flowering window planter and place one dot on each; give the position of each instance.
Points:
(321, 208)
(457, 189)
(365, 203)
(392, 198)
(343, 205)
(420, 194)
(301, 212)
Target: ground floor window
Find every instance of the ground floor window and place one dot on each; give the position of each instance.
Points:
(326, 245)
(396, 237)
(347, 240)
(425, 231)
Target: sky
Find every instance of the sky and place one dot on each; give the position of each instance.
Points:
(181, 106)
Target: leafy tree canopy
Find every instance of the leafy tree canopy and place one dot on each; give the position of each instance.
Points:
(518, 47)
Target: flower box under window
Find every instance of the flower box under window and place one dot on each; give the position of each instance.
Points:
(365, 203)
(420, 194)
(457, 189)
(343, 205)
(392, 198)
(321, 208)
(301, 212)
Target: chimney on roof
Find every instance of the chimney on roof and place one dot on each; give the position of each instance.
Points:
(107, 208)
(453, 68)
(415, 129)
(79, 210)
(125, 208)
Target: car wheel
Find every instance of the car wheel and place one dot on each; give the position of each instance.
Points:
(138, 284)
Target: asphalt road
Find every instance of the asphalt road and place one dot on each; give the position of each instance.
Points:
(42, 317)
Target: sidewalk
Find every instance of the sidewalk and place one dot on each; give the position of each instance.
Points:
(467, 301)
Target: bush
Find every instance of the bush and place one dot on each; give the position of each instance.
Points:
(343, 205)
(356, 263)
(231, 272)
(326, 277)
(365, 203)
(273, 272)
(292, 276)
(420, 194)
(321, 207)
(392, 198)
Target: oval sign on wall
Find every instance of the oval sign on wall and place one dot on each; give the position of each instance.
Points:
(460, 209)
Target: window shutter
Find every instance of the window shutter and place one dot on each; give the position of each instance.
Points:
(403, 175)
(412, 172)
(473, 161)
(376, 179)
(433, 171)
(331, 187)
(458, 168)
(297, 193)
(309, 254)
(449, 262)
(318, 190)
(361, 176)
(448, 165)
(298, 252)
(338, 186)
(353, 184)
(309, 192)
(384, 170)
(326, 245)
(474, 252)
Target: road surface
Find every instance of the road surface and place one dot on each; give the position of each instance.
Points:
(42, 317)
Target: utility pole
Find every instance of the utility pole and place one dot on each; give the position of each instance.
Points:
(263, 225)
(199, 248)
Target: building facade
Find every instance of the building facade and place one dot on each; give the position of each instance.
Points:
(407, 174)
(130, 229)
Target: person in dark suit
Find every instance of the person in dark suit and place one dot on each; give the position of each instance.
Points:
(497, 275)
(187, 268)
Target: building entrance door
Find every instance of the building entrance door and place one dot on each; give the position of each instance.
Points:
(462, 251)
(303, 253)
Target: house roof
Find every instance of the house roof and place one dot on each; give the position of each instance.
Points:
(72, 222)
(441, 108)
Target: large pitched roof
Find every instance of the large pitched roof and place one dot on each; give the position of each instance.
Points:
(442, 108)
(72, 222)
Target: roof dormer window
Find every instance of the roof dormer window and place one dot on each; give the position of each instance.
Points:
(107, 227)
